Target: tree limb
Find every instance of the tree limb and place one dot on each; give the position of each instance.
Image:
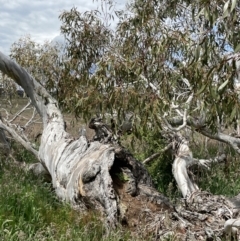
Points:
(21, 111)
(201, 128)
(155, 155)
(231, 225)
(181, 162)
(26, 145)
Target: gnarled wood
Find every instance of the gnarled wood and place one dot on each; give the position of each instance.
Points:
(84, 173)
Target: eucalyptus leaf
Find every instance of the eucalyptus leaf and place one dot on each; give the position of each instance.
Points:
(226, 11)
(139, 64)
(237, 48)
(223, 85)
(234, 2)
(233, 113)
(225, 7)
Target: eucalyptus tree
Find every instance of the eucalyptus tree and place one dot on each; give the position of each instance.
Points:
(43, 61)
(173, 65)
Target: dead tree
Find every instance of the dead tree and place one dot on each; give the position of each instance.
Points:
(86, 174)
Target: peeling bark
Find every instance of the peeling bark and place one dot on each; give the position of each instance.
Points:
(181, 162)
(84, 173)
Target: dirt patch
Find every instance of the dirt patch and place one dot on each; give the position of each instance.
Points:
(139, 214)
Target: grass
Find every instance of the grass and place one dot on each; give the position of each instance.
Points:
(29, 210)
(222, 179)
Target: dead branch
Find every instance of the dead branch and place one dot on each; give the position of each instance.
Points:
(155, 155)
(31, 119)
(21, 111)
(200, 127)
(19, 139)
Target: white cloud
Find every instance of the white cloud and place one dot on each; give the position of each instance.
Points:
(39, 18)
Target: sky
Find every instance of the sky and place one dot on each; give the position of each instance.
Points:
(37, 18)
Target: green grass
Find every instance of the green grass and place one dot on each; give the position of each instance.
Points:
(222, 179)
(29, 210)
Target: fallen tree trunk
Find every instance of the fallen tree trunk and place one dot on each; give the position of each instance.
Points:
(86, 174)
(102, 175)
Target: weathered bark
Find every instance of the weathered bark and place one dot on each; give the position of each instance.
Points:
(86, 174)
(182, 161)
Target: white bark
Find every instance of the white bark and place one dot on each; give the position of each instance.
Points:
(73, 166)
(231, 226)
(80, 171)
(182, 161)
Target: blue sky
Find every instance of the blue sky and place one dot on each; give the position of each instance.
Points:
(38, 18)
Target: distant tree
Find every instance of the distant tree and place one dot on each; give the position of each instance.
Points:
(42, 61)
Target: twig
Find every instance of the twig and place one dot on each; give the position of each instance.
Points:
(30, 121)
(155, 155)
(19, 139)
(21, 111)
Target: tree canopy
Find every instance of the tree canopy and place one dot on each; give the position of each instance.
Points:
(161, 60)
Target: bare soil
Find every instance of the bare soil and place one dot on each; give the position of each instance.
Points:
(9, 108)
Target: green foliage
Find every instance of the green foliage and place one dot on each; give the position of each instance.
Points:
(160, 169)
(142, 67)
(122, 177)
(222, 179)
(161, 172)
(41, 61)
(159, 54)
